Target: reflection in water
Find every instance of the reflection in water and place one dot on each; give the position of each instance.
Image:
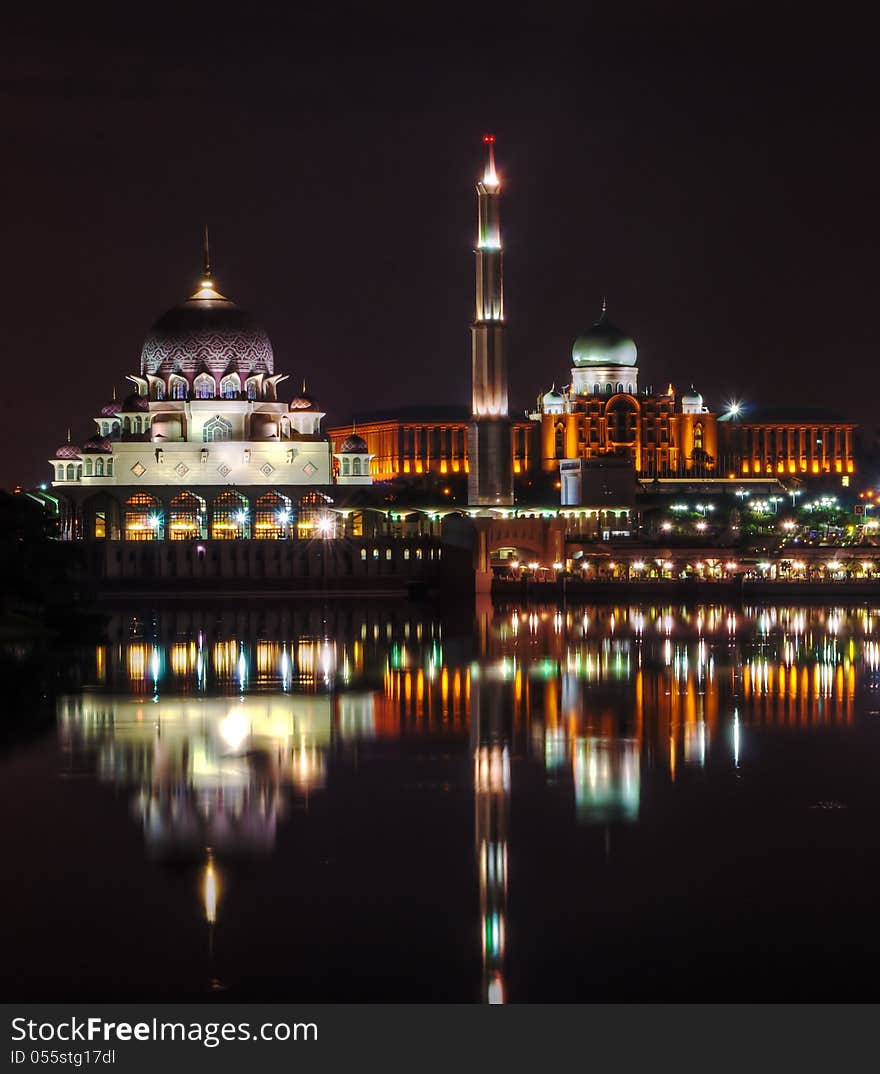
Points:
(218, 732)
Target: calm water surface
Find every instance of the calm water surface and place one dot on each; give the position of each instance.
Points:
(606, 803)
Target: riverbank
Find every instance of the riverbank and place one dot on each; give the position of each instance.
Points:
(735, 590)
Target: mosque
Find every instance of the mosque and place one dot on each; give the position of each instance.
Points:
(205, 445)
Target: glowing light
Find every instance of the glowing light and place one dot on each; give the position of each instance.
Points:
(234, 729)
(210, 890)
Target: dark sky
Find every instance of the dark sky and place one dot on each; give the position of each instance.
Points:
(715, 173)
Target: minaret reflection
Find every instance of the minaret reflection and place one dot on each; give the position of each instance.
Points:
(491, 753)
(210, 897)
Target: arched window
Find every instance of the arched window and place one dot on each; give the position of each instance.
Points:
(314, 517)
(142, 518)
(230, 386)
(88, 468)
(272, 516)
(608, 388)
(559, 446)
(126, 425)
(622, 421)
(187, 517)
(115, 430)
(356, 467)
(252, 389)
(216, 429)
(698, 436)
(158, 390)
(346, 467)
(177, 386)
(204, 386)
(229, 517)
(71, 472)
(619, 386)
(99, 467)
(109, 467)
(596, 388)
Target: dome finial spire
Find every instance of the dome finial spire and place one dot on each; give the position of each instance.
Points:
(68, 434)
(604, 305)
(207, 255)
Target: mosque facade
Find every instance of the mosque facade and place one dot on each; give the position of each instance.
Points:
(207, 444)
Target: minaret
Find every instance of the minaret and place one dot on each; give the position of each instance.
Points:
(490, 465)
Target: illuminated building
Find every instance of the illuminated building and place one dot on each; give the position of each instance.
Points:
(426, 440)
(803, 442)
(204, 446)
(603, 413)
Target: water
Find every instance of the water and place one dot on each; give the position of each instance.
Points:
(608, 803)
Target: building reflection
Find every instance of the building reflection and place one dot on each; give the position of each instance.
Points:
(216, 734)
(211, 771)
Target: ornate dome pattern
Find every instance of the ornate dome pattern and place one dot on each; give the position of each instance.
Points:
(303, 402)
(207, 332)
(67, 451)
(135, 402)
(354, 445)
(604, 344)
(109, 410)
(97, 445)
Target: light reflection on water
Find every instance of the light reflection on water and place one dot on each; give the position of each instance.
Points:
(216, 736)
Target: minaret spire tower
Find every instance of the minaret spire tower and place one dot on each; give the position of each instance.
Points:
(490, 478)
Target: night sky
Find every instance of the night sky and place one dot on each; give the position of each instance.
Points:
(715, 174)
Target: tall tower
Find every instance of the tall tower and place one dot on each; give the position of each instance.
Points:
(490, 465)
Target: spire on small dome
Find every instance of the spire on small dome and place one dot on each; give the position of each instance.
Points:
(604, 305)
(68, 434)
(114, 393)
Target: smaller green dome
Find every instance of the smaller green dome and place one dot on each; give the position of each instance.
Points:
(604, 344)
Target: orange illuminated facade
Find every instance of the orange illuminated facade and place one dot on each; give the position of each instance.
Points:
(427, 440)
(803, 443)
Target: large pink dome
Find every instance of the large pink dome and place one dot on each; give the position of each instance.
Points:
(207, 332)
